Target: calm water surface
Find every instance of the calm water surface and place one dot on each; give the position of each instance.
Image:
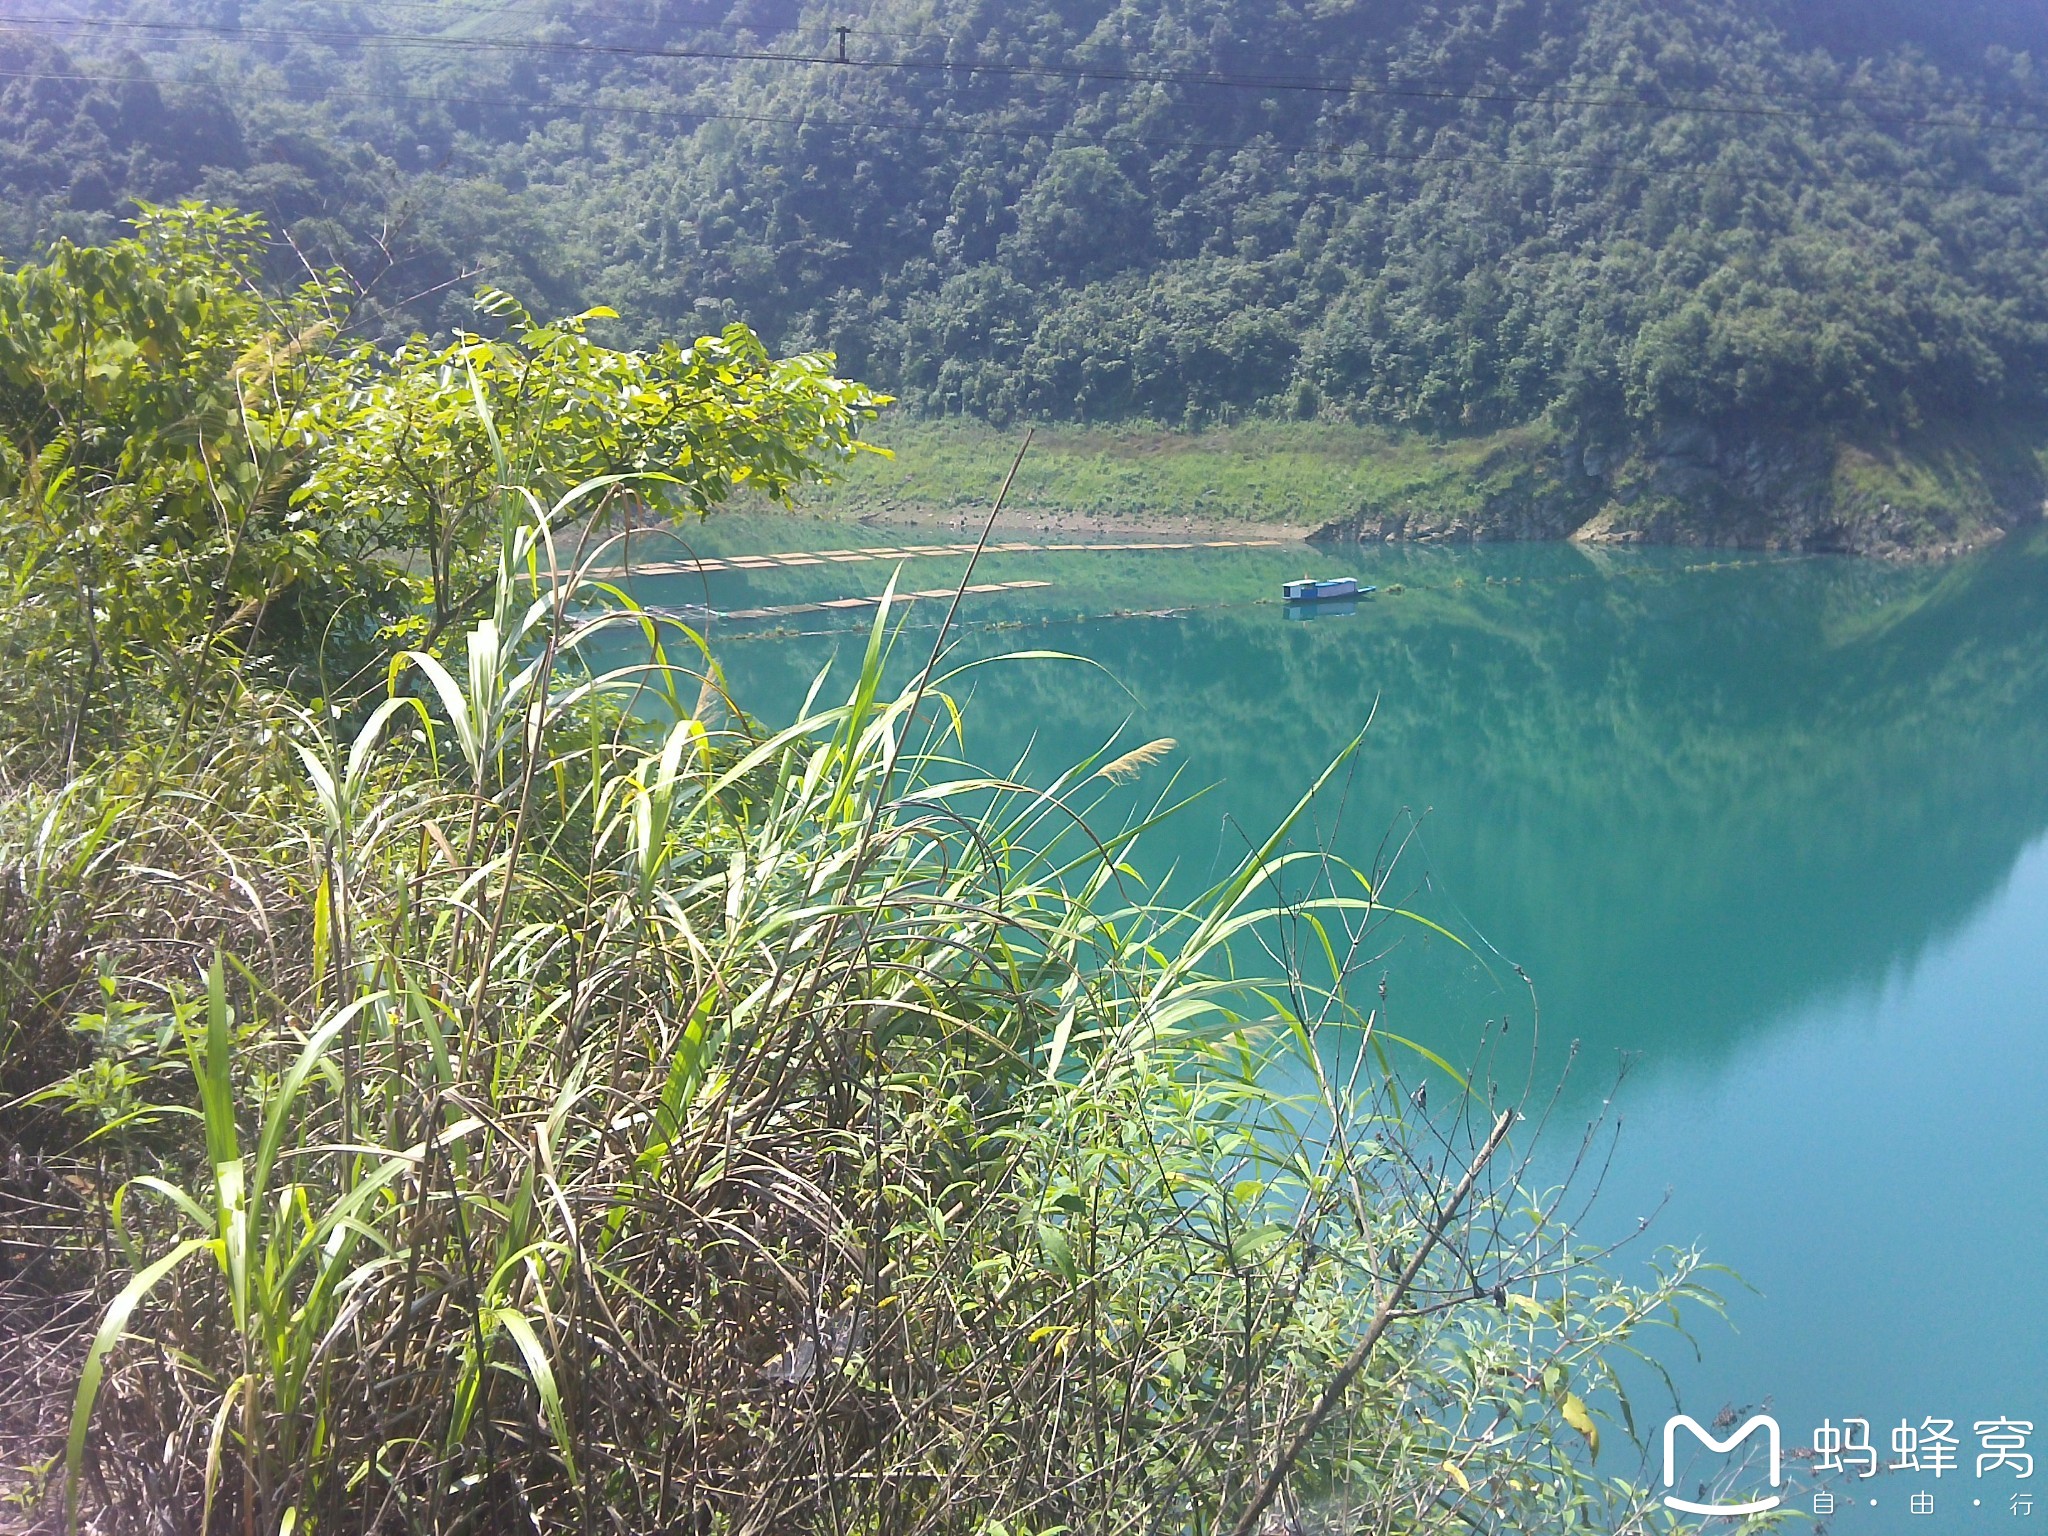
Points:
(1771, 833)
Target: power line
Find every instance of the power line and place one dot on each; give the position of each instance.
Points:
(556, 13)
(1080, 73)
(1509, 160)
(491, 10)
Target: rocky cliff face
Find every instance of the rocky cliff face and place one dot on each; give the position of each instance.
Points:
(1751, 486)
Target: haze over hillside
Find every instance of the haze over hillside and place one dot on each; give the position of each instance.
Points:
(1704, 243)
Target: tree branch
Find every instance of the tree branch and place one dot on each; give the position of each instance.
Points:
(1389, 1308)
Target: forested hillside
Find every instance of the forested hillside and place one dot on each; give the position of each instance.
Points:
(1727, 254)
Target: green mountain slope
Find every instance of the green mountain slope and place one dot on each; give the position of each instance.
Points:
(1758, 271)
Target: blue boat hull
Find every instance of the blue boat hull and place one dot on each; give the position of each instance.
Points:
(1337, 589)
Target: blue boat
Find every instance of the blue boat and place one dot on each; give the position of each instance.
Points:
(1309, 590)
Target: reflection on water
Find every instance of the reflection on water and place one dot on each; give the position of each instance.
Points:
(1761, 825)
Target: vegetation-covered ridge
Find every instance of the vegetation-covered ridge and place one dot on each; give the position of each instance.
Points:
(459, 1073)
(1762, 272)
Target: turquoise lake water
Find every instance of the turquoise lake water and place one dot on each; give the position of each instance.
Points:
(1770, 833)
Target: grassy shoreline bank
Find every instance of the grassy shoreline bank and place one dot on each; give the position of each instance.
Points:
(1285, 476)
(1937, 492)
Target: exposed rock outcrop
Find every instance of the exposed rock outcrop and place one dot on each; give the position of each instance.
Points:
(1935, 494)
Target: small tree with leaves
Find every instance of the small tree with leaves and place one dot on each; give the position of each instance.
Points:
(195, 470)
(410, 461)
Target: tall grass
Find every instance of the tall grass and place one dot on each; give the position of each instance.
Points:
(549, 1101)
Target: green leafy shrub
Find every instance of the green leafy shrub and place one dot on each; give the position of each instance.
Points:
(193, 470)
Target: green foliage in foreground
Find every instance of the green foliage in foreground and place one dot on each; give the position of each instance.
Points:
(570, 1114)
(191, 468)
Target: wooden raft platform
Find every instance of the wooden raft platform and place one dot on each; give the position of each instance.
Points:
(836, 604)
(803, 557)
